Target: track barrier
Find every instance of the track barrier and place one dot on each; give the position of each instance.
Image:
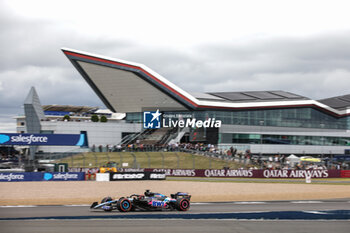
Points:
(132, 175)
(160, 174)
(42, 176)
(249, 173)
(345, 173)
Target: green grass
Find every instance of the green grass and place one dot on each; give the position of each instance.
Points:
(148, 160)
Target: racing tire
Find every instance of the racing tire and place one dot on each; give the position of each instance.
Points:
(124, 205)
(105, 200)
(183, 204)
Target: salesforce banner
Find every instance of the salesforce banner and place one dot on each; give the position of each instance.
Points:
(42, 176)
(42, 139)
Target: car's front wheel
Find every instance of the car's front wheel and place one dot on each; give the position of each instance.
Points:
(124, 205)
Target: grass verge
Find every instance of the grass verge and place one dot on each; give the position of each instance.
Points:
(174, 160)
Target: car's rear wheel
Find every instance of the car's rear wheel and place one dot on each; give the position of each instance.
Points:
(183, 204)
(124, 205)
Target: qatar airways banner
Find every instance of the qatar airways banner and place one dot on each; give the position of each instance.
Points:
(42, 139)
(249, 173)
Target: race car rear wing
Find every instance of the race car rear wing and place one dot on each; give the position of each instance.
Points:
(180, 195)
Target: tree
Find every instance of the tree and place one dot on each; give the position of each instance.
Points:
(66, 118)
(94, 118)
(103, 119)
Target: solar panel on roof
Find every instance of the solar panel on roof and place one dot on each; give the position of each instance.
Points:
(259, 96)
(287, 94)
(263, 95)
(335, 103)
(233, 96)
(345, 97)
(205, 96)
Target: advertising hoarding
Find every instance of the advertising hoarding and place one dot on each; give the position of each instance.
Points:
(26, 139)
(42, 176)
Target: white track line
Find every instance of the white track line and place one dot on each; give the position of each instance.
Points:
(76, 205)
(314, 212)
(249, 202)
(18, 206)
(306, 202)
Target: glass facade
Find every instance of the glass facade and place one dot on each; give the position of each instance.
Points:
(134, 117)
(288, 117)
(283, 139)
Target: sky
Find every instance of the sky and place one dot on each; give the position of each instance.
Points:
(202, 46)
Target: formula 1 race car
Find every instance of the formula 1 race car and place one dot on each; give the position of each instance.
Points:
(149, 201)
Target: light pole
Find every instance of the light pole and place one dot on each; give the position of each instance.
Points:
(261, 140)
(322, 138)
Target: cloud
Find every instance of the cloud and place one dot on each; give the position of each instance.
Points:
(314, 86)
(7, 123)
(31, 56)
(316, 67)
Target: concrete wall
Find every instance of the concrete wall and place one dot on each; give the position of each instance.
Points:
(109, 133)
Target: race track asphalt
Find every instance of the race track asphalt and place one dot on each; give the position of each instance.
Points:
(203, 217)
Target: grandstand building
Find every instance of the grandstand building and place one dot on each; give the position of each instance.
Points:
(52, 119)
(267, 122)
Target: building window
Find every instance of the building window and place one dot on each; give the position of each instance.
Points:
(284, 139)
(289, 117)
(46, 131)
